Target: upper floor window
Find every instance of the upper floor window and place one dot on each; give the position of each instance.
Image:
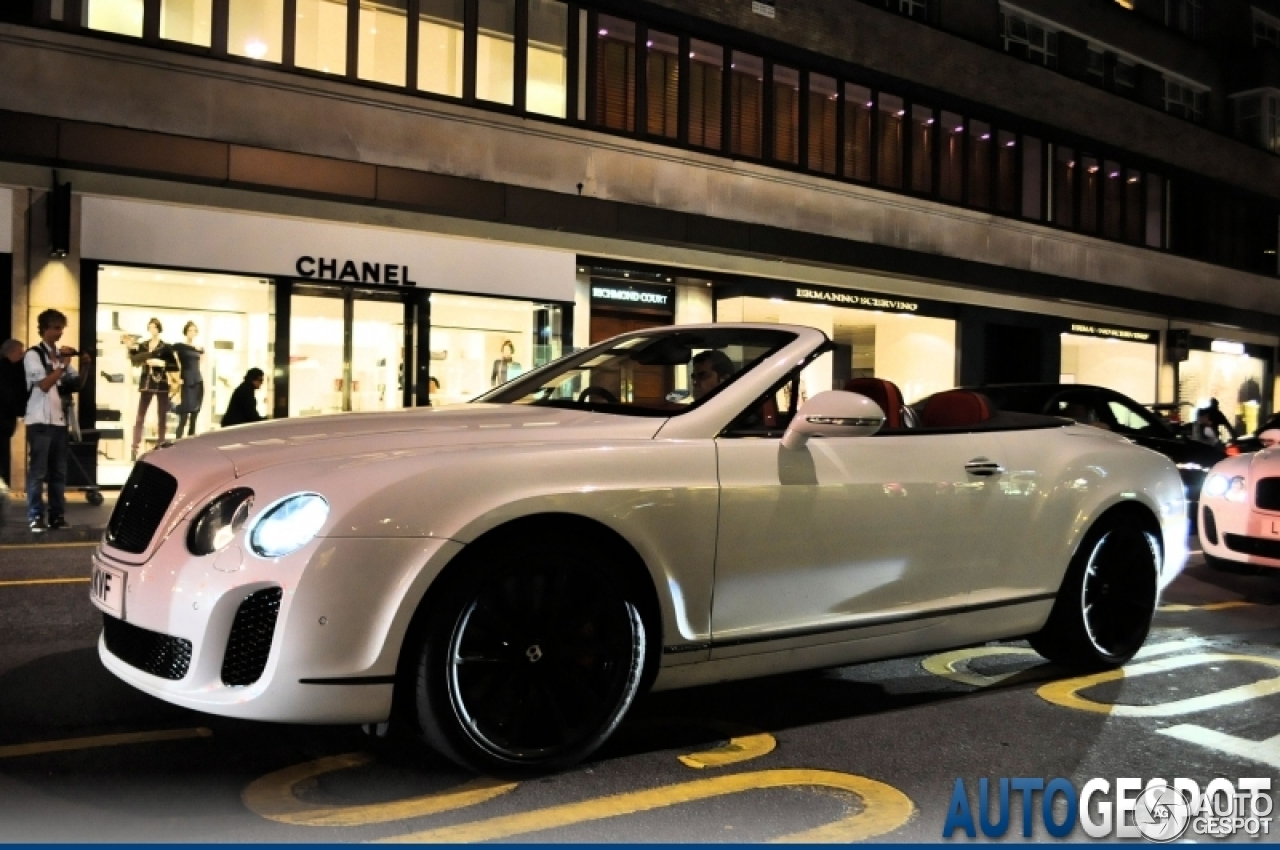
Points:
(123, 17)
(1027, 39)
(187, 21)
(1182, 100)
(910, 8)
(1097, 65)
(1186, 16)
(1125, 74)
(440, 46)
(1258, 119)
(1266, 29)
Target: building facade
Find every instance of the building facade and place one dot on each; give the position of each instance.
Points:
(396, 203)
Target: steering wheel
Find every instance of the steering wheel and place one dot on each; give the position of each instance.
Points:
(600, 391)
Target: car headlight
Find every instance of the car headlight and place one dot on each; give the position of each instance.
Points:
(1236, 489)
(1220, 486)
(288, 525)
(1191, 466)
(220, 521)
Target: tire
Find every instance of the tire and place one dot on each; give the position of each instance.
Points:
(1107, 600)
(528, 662)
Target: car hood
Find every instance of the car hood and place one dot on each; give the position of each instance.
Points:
(286, 441)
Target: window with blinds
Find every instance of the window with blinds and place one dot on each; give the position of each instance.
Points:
(1112, 199)
(1007, 172)
(857, 132)
(615, 74)
(923, 126)
(706, 94)
(951, 157)
(786, 114)
(547, 76)
(892, 114)
(980, 148)
(662, 84)
(1090, 176)
(746, 105)
(1133, 205)
(496, 51)
(1064, 187)
(440, 46)
(823, 111)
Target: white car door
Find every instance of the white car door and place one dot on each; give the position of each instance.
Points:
(849, 532)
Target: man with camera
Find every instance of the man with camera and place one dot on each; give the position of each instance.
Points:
(51, 378)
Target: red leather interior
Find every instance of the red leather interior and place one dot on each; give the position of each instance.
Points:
(955, 409)
(769, 413)
(884, 393)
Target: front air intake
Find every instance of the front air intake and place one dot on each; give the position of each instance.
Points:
(1210, 525)
(151, 652)
(250, 641)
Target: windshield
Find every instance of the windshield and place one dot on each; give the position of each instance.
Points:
(657, 373)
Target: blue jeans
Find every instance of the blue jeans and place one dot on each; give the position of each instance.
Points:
(47, 447)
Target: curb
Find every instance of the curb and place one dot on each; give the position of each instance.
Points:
(21, 535)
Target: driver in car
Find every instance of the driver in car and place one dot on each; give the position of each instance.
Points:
(709, 370)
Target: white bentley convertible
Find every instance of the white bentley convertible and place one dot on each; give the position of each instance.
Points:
(1240, 511)
(661, 510)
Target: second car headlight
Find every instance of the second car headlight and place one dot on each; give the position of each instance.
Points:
(218, 523)
(288, 525)
(1220, 486)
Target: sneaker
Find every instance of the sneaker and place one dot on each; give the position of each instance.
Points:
(37, 525)
(58, 522)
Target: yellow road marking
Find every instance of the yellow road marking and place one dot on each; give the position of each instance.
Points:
(84, 543)
(1066, 693)
(744, 744)
(28, 581)
(1178, 608)
(955, 665)
(884, 808)
(69, 744)
(275, 796)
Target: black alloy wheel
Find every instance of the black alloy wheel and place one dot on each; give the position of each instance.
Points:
(1104, 609)
(530, 667)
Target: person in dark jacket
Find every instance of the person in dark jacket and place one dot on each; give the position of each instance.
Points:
(243, 407)
(13, 399)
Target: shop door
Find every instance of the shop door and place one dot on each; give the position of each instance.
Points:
(347, 350)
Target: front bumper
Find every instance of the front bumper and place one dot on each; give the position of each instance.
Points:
(1235, 533)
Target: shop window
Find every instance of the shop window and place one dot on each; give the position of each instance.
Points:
(1132, 206)
(255, 29)
(383, 37)
(857, 132)
(1006, 172)
(1090, 177)
(1127, 367)
(229, 324)
(746, 104)
(547, 83)
(1155, 211)
(440, 46)
(891, 115)
(823, 111)
(951, 158)
(615, 74)
(1032, 181)
(1112, 199)
(187, 21)
(320, 41)
(1064, 187)
(923, 127)
(662, 84)
(122, 17)
(479, 343)
(1235, 380)
(495, 51)
(785, 83)
(342, 361)
(706, 94)
(980, 149)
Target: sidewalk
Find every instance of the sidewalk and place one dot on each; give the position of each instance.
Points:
(87, 521)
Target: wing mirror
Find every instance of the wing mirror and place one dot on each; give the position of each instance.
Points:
(833, 414)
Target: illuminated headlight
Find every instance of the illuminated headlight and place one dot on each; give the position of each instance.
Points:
(288, 525)
(1191, 467)
(1236, 490)
(1220, 486)
(220, 521)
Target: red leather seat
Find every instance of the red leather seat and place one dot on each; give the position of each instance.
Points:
(769, 413)
(955, 409)
(884, 393)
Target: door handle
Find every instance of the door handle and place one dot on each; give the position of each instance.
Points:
(983, 466)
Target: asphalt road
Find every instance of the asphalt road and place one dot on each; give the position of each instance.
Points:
(869, 751)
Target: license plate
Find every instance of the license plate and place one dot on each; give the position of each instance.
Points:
(106, 589)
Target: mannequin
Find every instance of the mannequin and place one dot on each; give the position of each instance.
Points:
(505, 367)
(156, 357)
(192, 400)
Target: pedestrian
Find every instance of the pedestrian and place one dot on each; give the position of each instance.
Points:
(51, 377)
(243, 407)
(13, 400)
(1216, 419)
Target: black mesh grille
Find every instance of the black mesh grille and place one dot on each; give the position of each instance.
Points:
(151, 652)
(250, 642)
(1253, 545)
(140, 508)
(1267, 494)
(1210, 525)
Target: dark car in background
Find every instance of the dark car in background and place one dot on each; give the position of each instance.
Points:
(1104, 408)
